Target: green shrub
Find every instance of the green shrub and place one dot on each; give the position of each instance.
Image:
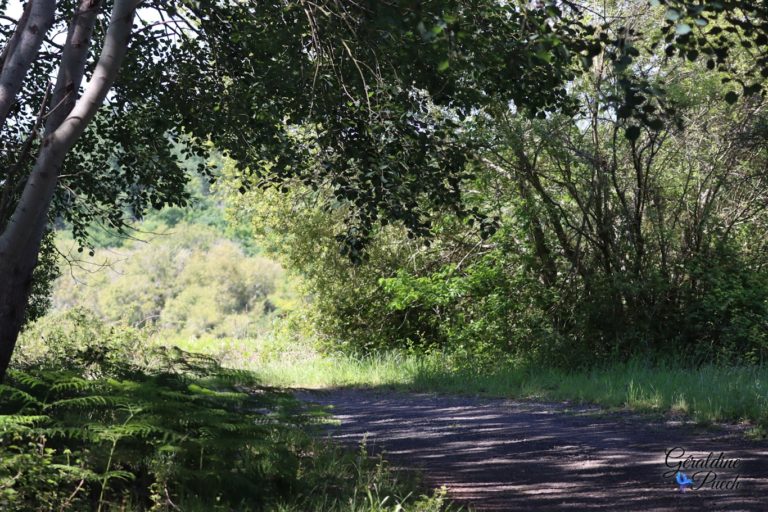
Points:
(78, 339)
(726, 310)
(188, 281)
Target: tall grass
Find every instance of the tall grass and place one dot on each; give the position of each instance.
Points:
(706, 394)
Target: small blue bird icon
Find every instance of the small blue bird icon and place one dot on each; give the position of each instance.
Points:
(683, 481)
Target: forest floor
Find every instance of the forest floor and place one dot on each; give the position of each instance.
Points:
(507, 455)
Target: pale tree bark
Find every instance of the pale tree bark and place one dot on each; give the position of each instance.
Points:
(22, 50)
(66, 122)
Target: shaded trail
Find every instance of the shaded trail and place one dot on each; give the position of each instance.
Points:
(500, 455)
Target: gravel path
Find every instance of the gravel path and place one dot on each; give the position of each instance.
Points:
(497, 454)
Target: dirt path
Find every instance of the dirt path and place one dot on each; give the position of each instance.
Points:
(506, 455)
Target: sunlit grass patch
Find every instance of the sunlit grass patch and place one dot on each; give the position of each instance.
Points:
(706, 394)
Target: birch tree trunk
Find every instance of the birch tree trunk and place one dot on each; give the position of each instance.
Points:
(66, 120)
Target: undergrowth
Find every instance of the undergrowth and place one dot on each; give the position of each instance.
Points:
(98, 421)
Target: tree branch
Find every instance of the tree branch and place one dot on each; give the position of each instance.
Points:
(29, 217)
(22, 50)
(73, 60)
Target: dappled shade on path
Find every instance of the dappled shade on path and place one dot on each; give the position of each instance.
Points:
(507, 455)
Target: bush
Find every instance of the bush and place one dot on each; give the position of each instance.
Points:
(187, 282)
(725, 317)
(345, 300)
(78, 339)
(482, 306)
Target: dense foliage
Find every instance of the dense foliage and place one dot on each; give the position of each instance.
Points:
(187, 281)
(613, 242)
(93, 418)
(355, 113)
(545, 182)
(341, 95)
(375, 112)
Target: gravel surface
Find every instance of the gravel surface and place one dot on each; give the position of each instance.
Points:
(496, 454)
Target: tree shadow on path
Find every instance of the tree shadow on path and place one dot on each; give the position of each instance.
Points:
(498, 454)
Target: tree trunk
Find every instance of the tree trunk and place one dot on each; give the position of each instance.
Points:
(16, 282)
(21, 237)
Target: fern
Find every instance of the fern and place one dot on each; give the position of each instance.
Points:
(24, 421)
(100, 432)
(183, 423)
(15, 394)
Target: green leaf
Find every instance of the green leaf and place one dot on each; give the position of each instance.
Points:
(672, 14)
(632, 133)
(544, 55)
(443, 65)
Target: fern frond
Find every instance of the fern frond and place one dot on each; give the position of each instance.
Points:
(27, 379)
(89, 401)
(73, 384)
(118, 474)
(20, 420)
(20, 395)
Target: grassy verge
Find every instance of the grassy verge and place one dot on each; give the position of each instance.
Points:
(706, 394)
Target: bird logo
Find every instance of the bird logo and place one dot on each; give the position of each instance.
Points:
(683, 481)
